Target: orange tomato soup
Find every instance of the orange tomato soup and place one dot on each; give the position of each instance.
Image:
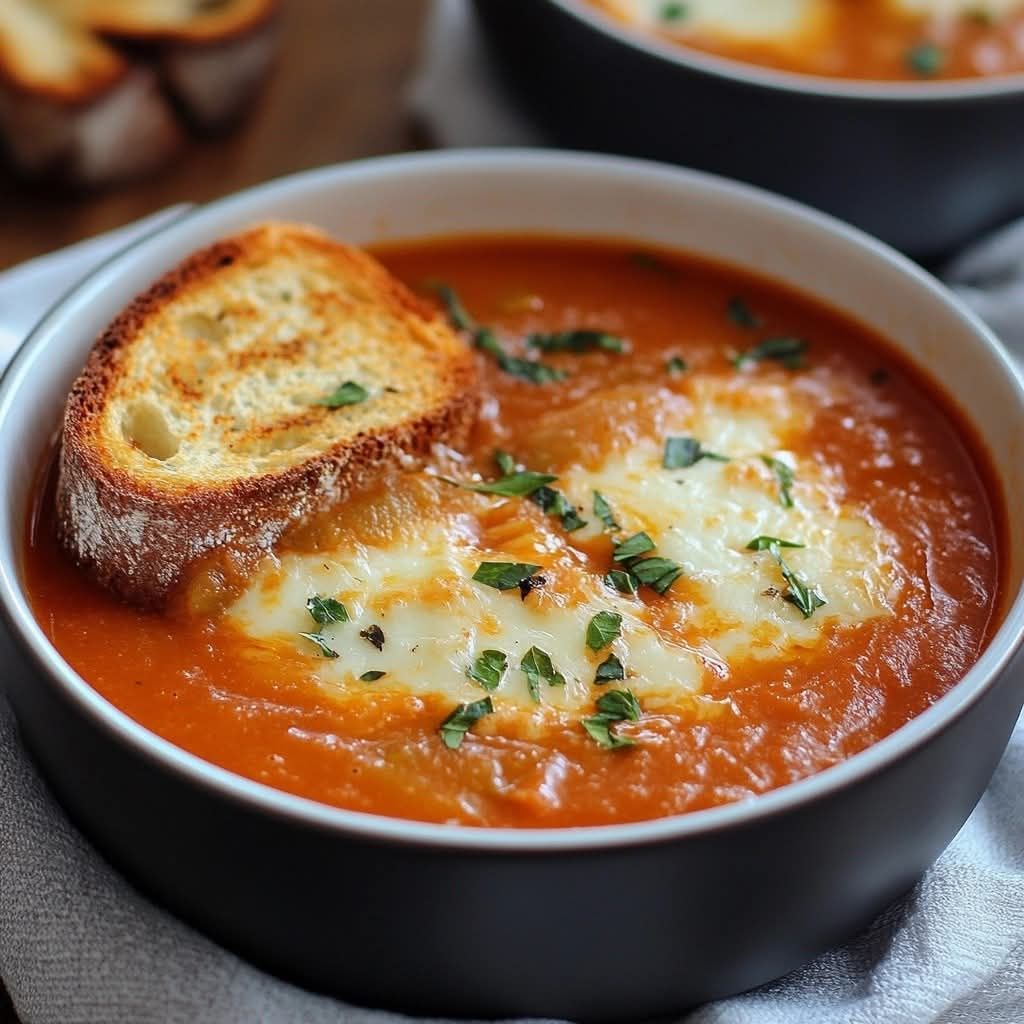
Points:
(882, 40)
(874, 441)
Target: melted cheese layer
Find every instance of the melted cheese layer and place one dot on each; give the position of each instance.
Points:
(729, 605)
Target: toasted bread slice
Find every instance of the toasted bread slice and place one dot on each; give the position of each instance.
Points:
(203, 418)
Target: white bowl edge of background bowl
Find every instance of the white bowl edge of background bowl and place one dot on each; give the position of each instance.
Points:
(521, 191)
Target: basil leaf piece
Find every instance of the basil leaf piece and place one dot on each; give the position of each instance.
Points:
(788, 351)
(784, 474)
(675, 366)
(673, 11)
(555, 503)
(638, 544)
(372, 676)
(458, 723)
(613, 706)
(926, 59)
(807, 598)
(537, 666)
(603, 511)
(326, 610)
(349, 393)
(374, 635)
(486, 340)
(683, 452)
(504, 575)
(505, 463)
(609, 671)
(604, 628)
(325, 649)
(599, 729)
(488, 669)
(657, 573)
(763, 543)
(515, 485)
(740, 314)
(577, 341)
(536, 373)
(621, 705)
(457, 315)
(623, 582)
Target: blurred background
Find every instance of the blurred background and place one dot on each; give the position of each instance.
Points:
(334, 91)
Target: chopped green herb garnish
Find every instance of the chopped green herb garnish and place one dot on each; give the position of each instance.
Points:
(609, 671)
(374, 635)
(515, 485)
(740, 314)
(577, 341)
(505, 463)
(788, 351)
(556, 504)
(926, 59)
(536, 373)
(486, 340)
(603, 511)
(488, 669)
(784, 474)
(537, 666)
(612, 707)
(657, 573)
(326, 610)
(604, 628)
(808, 599)
(325, 648)
(504, 575)
(372, 676)
(675, 366)
(460, 319)
(766, 543)
(623, 582)
(349, 393)
(683, 452)
(629, 548)
(673, 11)
(458, 723)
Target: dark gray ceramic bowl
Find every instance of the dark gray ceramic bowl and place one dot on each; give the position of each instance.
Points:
(924, 166)
(600, 923)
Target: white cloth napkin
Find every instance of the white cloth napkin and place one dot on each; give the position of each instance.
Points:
(78, 945)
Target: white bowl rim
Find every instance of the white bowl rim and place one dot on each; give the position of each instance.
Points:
(877, 90)
(304, 812)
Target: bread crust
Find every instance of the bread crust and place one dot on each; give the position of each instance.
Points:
(138, 539)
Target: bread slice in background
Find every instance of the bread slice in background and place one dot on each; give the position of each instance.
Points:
(91, 90)
(198, 425)
(211, 56)
(73, 108)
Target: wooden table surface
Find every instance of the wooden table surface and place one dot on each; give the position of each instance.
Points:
(336, 94)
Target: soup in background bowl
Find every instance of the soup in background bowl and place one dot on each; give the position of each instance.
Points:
(897, 40)
(387, 910)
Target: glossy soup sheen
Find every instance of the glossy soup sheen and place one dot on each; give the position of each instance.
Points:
(885, 439)
(864, 39)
